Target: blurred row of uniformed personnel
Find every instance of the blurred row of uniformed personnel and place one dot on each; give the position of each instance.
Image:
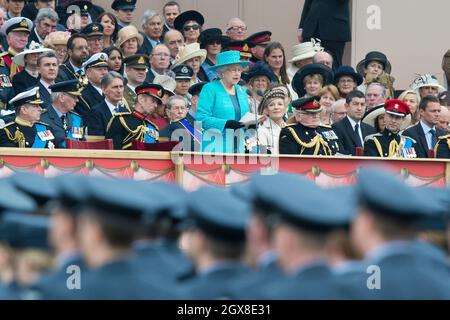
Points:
(279, 236)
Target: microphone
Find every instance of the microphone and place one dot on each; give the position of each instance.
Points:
(256, 117)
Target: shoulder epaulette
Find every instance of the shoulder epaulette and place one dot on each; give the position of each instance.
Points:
(75, 113)
(325, 126)
(444, 137)
(370, 137)
(119, 114)
(407, 137)
(3, 54)
(45, 124)
(290, 125)
(8, 124)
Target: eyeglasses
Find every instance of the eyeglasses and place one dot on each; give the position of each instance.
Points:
(214, 42)
(236, 28)
(191, 27)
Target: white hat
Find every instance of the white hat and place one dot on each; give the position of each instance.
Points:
(31, 96)
(167, 82)
(189, 51)
(34, 47)
(99, 59)
(305, 50)
(371, 117)
(17, 24)
(426, 80)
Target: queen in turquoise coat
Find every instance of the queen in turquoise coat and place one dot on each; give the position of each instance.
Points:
(222, 103)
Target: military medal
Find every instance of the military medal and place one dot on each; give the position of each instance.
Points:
(77, 132)
(45, 135)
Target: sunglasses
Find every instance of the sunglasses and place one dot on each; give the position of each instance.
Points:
(212, 42)
(191, 27)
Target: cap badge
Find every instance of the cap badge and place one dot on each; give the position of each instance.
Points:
(24, 23)
(245, 47)
(141, 60)
(316, 103)
(102, 58)
(85, 7)
(38, 95)
(95, 28)
(159, 93)
(184, 70)
(396, 106)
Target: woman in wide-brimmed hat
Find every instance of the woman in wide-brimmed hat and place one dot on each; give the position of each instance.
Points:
(427, 85)
(190, 23)
(129, 40)
(308, 81)
(371, 67)
(347, 80)
(28, 77)
(302, 54)
(194, 57)
(58, 42)
(258, 79)
(222, 105)
(213, 41)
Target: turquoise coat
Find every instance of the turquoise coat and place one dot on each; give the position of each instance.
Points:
(213, 110)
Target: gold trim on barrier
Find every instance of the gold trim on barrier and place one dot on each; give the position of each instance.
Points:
(90, 164)
(134, 166)
(2, 162)
(315, 171)
(404, 172)
(44, 163)
(447, 173)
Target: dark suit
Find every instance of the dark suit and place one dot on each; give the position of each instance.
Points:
(146, 47)
(45, 96)
(169, 130)
(23, 81)
(66, 72)
(90, 97)
(215, 284)
(443, 147)
(54, 121)
(347, 135)
(33, 37)
(328, 20)
(417, 134)
(99, 118)
(150, 76)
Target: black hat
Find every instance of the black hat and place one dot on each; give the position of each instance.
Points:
(309, 69)
(374, 56)
(138, 61)
(311, 104)
(94, 29)
(123, 5)
(188, 16)
(259, 69)
(196, 88)
(34, 185)
(348, 71)
(219, 214)
(85, 7)
(21, 230)
(260, 38)
(183, 71)
(151, 89)
(212, 34)
(244, 47)
(71, 87)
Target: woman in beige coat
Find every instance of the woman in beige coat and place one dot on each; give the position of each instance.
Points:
(274, 107)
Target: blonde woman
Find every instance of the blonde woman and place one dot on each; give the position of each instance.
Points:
(328, 95)
(412, 98)
(274, 107)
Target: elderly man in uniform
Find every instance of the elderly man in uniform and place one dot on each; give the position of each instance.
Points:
(125, 127)
(390, 143)
(61, 118)
(17, 31)
(136, 67)
(260, 40)
(308, 136)
(94, 34)
(26, 131)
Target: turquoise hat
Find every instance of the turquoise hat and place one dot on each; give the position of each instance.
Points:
(228, 58)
